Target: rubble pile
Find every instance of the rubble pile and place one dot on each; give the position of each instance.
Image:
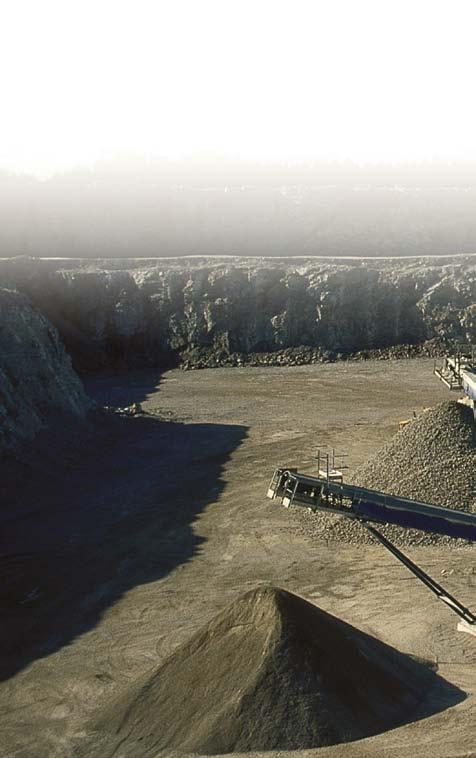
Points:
(432, 460)
(200, 358)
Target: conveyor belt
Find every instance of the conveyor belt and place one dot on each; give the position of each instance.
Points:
(365, 505)
(374, 506)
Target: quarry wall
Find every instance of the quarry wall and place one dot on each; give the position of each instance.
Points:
(137, 312)
(37, 382)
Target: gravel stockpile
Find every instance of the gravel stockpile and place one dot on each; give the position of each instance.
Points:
(271, 671)
(432, 459)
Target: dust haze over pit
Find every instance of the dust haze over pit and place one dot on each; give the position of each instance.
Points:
(270, 128)
(264, 81)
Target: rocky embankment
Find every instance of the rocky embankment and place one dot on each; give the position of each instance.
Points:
(37, 382)
(205, 313)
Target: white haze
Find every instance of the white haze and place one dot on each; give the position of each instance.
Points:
(368, 80)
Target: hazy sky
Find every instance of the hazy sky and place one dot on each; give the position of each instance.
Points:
(267, 79)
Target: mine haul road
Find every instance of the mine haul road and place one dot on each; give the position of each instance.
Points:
(173, 525)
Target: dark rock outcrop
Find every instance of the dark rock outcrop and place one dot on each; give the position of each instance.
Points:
(136, 312)
(37, 382)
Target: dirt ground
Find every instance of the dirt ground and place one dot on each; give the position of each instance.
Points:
(128, 548)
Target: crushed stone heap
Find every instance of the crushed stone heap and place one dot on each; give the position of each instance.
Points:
(271, 671)
(432, 459)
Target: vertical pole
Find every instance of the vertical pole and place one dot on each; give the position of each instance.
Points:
(294, 492)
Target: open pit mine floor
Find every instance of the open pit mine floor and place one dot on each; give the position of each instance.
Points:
(119, 554)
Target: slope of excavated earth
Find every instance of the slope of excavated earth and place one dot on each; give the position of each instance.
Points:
(271, 671)
(432, 459)
(37, 382)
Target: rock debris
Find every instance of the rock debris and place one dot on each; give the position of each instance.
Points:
(432, 459)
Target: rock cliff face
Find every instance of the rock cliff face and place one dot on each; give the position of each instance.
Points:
(37, 382)
(132, 312)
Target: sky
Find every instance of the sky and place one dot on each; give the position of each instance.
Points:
(288, 80)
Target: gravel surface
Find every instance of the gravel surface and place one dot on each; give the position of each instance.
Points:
(432, 459)
(119, 571)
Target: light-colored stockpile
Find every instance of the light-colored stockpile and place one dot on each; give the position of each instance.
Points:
(432, 459)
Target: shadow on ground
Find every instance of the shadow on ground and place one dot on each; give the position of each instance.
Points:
(84, 524)
(122, 388)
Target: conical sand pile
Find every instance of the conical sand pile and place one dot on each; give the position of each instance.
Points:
(271, 671)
